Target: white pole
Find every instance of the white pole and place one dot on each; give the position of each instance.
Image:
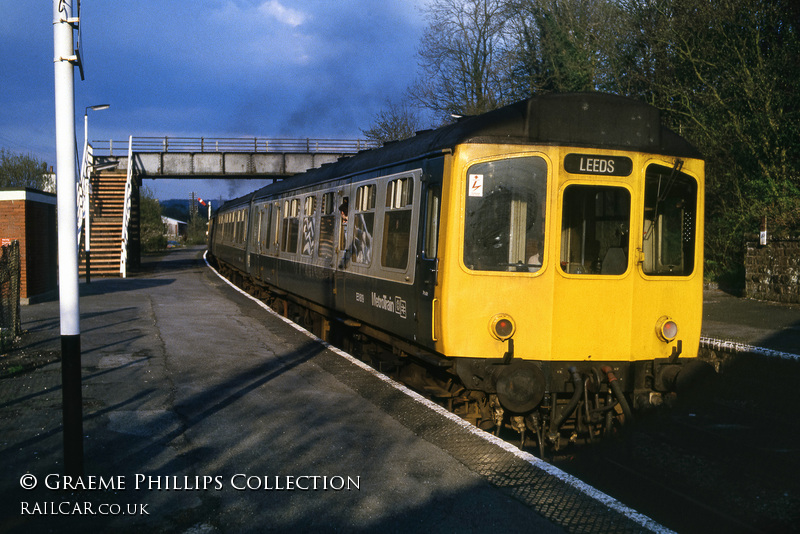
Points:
(64, 55)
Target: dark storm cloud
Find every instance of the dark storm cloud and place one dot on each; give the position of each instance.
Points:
(213, 68)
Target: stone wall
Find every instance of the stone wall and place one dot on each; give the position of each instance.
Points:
(772, 271)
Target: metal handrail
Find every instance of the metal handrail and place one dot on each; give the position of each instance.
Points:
(234, 144)
(83, 189)
(126, 213)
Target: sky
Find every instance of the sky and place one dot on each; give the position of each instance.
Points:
(209, 68)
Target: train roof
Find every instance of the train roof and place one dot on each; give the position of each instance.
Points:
(569, 119)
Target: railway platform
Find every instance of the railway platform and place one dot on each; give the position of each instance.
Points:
(764, 325)
(203, 413)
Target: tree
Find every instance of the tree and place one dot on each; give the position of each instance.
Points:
(196, 229)
(152, 227)
(723, 73)
(394, 123)
(17, 170)
(463, 58)
(562, 45)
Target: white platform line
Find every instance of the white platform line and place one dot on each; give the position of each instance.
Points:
(733, 346)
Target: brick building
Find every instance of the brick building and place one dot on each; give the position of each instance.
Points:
(29, 216)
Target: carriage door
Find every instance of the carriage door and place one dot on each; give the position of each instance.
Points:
(428, 262)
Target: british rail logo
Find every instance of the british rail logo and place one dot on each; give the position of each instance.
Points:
(386, 303)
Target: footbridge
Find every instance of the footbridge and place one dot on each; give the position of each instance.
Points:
(208, 157)
(112, 173)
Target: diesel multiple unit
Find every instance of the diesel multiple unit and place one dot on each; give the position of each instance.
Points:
(538, 266)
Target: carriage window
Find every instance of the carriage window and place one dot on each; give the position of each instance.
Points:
(327, 222)
(363, 224)
(344, 212)
(670, 204)
(594, 230)
(397, 223)
(275, 223)
(433, 199)
(266, 222)
(241, 221)
(234, 227)
(309, 209)
(504, 218)
(291, 225)
(242, 226)
(255, 231)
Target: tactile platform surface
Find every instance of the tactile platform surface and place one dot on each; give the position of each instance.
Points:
(525, 478)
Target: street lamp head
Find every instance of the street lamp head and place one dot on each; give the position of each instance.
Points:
(98, 107)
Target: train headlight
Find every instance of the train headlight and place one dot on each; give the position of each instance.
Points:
(666, 329)
(502, 326)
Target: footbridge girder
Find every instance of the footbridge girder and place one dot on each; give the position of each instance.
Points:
(184, 157)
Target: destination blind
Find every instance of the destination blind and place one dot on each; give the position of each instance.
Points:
(598, 164)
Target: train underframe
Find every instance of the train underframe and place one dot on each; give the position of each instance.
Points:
(550, 405)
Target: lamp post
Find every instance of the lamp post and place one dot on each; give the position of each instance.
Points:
(65, 59)
(88, 188)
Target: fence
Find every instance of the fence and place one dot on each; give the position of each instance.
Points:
(10, 322)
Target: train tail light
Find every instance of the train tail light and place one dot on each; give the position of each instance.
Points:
(502, 326)
(666, 329)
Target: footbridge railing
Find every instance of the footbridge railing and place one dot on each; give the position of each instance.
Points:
(232, 144)
(126, 213)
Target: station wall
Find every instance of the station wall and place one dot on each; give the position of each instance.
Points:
(29, 216)
(772, 271)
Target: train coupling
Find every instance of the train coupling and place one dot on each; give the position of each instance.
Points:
(682, 377)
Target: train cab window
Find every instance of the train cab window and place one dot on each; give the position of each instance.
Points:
(668, 236)
(397, 223)
(327, 223)
(594, 230)
(291, 225)
(363, 224)
(309, 235)
(504, 217)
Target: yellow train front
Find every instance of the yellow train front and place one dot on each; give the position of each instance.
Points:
(538, 266)
(570, 272)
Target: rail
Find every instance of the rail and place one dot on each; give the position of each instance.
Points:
(232, 144)
(83, 190)
(126, 213)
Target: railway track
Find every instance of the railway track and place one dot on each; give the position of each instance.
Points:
(727, 462)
